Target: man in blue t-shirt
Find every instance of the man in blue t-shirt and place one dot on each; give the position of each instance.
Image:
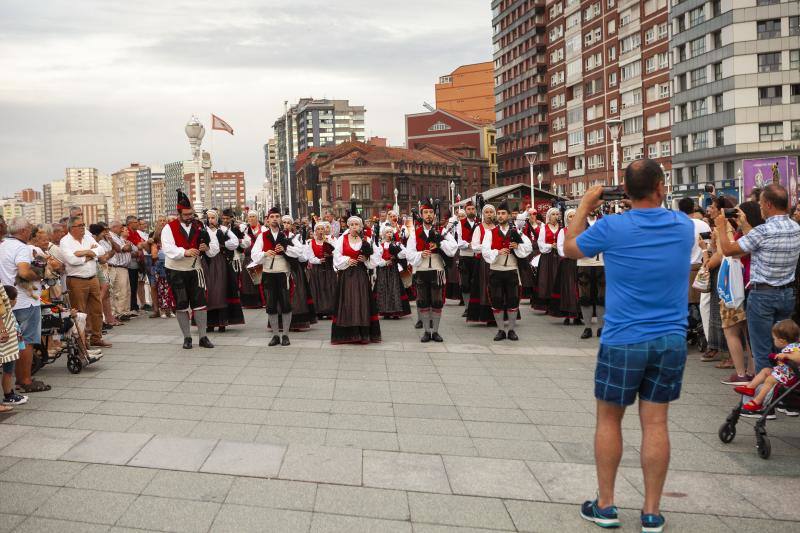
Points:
(646, 252)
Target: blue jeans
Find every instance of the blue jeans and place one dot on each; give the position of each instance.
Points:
(764, 309)
(30, 323)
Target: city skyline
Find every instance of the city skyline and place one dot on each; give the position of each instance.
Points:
(112, 87)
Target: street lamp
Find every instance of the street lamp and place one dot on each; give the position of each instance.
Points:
(614, 126)
(452, 196)
(667, 185)
(396, 207)
(531, 157)
(740, 185)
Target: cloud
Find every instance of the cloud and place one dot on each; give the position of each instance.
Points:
(105, 83)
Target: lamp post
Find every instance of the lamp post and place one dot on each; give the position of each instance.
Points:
(195, 131)
(452, 197)
(740, 185)
(396, 207)
(668, 186)
(531, 157)
(288, 158)
(614, 126)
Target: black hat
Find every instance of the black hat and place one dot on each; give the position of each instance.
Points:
(228, 212)
(274, 211)
(503, 206)
(427, 204)
(183, 200)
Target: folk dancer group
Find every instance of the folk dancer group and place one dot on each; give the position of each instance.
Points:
(217, 267)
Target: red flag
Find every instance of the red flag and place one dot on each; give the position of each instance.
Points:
(219, 124)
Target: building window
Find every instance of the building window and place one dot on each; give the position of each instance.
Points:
(767, 2)
(794, 59)
(682, 111)
(716, 8)
(612, 106)
(681, 82)
(652, 151)
(665, 149)
(696, 16)
(699, 140)
(719, 137)
(698, 76)
(717, 71)
(632, 125)
(338, 191)
(794, 93)
(698, 46)
(770, 95)
(678, 172)
(710, 174)
(631, 70)
(693, 174)
(663, 90)
(768, 29)
(794, 25)
(770, 131)
(699, 108)
(796, 130)
(612, 79)
(575, 138)
(439, 126)
(718, 103)
(684, 143)
(716, 39)
(770, 62)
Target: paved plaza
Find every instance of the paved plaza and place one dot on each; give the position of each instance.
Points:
(464, 436)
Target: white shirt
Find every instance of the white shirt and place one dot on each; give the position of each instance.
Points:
(499, 262)
(176, 255)
(120, 259)
(342, 261)
(699, 227)
(79, 266)
(448, 245)
(12, 253)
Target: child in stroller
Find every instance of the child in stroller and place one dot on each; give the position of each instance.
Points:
(786, 337)
(70, 326)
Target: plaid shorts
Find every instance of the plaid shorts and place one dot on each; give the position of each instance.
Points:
(653, 369)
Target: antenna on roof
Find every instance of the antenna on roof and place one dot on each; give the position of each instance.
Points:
(428, 106)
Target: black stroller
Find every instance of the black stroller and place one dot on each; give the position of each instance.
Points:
(695, 335)
(53, 323)
(727, 431)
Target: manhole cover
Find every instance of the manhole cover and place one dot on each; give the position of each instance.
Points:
(675, 494)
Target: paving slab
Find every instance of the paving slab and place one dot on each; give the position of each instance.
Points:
(107, 447)
(323, 464)
(245, 459)
(405, 471)
(275, 493)
(499, 478)
(173, 453)
(86, 505)
(44, 443)
(465, 511)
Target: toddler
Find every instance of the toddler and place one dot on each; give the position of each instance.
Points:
(10, 345)
(786, 337)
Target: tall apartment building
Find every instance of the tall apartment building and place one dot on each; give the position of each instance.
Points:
(520, 87)
(27, 195)
(736, 88)
(269, 194)
(124, 190)
(81, 179)
(313, 123)
(227, 190)
(468, 90)
(607, 59)
(53, 194)
(105, 186)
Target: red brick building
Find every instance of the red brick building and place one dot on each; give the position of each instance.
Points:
(369, 174)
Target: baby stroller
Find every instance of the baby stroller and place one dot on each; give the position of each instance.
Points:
(56, 322)
(695, 335)
(727, 431)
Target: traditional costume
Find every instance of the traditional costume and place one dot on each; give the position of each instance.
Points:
(185, 274)
(504, 283)
(303, 313)
(321, 276)
(467, 263)
(356, 320)
(392, 297)
(567, 280)
(479, 309)
(252, 295)
(591, 283)
(276, 278)
(224, 305)
(526, 278)
(548, 265)
(429, 273)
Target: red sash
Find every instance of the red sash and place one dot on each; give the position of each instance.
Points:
(181, 239)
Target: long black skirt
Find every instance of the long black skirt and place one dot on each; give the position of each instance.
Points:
(252, 296)
(356, 320)
(222, 288)
(392, 298)
(568, 303)
(479, 310)
(303, 313)
(322, 282)
(546, 283)
(453, 287)
(526, 278)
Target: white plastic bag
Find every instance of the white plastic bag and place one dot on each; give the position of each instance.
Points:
(730, 284)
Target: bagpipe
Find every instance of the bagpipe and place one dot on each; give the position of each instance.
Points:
(436, 237)
(514, 236)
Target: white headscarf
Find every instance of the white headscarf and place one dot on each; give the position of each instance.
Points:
(355, 219)
(550, 212)
(568, 212)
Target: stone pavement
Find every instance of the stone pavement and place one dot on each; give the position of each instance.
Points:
(464, 436)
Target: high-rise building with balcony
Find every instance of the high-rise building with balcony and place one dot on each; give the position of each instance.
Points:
(736, 90)
(520, 87)
(607, 59)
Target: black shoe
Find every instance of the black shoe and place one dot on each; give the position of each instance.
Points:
(464, 314)
(205, 343)
(187, 343)
(275, 341)
(512, 335)
(210, 329)
(599, 332)
(577, 322)
(222, 329)
(418, 325)
(435, 337)
(587, 333)
(285, 341)
(501, 335)
(426, 337)
(566, 321)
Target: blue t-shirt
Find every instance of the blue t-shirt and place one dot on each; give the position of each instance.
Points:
(646, 254)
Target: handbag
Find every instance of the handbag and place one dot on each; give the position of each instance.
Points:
(730, 284)
(702, 281)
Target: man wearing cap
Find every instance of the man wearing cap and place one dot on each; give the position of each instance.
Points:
(183, 241)
(269, 250)
(501, 249)
(468, 264)
(424, 252)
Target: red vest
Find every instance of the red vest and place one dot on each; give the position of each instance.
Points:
(549, 236)
(318, 249)
(347, 250)
(466, 231)
(385, 255)
(253, 235)
(181, 239)
(269, 243)
(498, 241)
(422, 240)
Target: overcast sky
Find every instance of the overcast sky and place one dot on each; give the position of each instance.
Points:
(102, 83)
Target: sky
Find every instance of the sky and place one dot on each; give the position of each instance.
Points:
(103, 83)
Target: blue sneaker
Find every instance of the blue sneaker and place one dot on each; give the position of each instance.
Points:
(652, 523)
(602, 517)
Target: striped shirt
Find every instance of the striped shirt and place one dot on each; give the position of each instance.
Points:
(773, 247)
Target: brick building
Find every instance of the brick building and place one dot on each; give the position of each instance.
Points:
(452, 129)
(369, 174)
(606, 59)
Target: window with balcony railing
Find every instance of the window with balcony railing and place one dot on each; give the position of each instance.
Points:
(770, 95)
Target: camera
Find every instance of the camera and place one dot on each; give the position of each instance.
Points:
(613, 193)
(709, 188)
(731, 213)
(706, 235)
